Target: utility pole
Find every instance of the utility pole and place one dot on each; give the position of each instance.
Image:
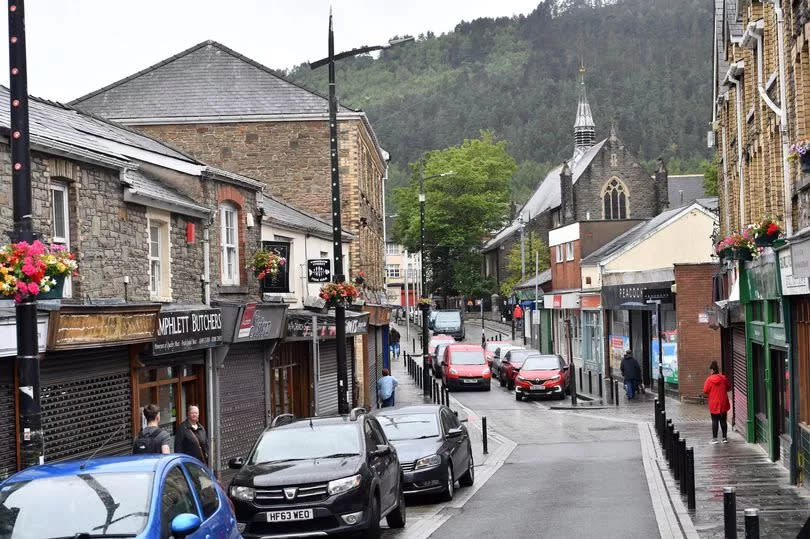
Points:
(660, 354)
(407, 302)
(483, 333)
(30, 415)
(522, 249)
(536, 295)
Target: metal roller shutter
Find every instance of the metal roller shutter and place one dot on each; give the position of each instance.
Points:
(327, 385)
(740, 379)
(372, 367)
(8, 443)
(243, 412)
(86, 400)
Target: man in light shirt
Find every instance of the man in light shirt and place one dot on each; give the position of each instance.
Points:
(386, 387)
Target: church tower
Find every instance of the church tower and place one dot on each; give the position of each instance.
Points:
(584, 128)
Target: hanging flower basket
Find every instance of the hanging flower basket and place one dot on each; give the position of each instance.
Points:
(767, 231)
(738, 246)
(34, 269)
(339, 294)
(801, 151)
(266, 263)
(360, 278)
(741, 253)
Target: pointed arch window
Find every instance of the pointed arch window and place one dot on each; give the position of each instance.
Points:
(614, 200)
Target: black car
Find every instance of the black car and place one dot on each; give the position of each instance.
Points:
(434, 448)
(318, 476)
(449, 322)
(438, 357)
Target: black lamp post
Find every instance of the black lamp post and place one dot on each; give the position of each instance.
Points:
(339, 277)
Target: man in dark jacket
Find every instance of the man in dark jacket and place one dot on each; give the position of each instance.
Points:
(631, 372)
(191, 437)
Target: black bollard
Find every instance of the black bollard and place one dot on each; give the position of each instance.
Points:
(447, 395)
(675, 462)
(600, 386)
(663, 433)
(484, 429)
(682, 466)
(670, 434)
(616, 391)
(730, 512)
(751, 523)
(657, 417)
(610, 385)
(413, 345)
(690, 474)
(580, 377)
(590, 383)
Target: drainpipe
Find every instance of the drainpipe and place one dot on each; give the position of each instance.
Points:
(213, 425)
(725, 183)
(783, 127)
(733, 71)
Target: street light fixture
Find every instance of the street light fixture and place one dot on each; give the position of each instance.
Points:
(426, 386)
(337, 247)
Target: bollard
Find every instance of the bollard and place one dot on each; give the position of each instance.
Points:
(663, 433)
(590, 383)
(413, 345)
(682, 465)
(751, 523)
(600, 385)
(670, 433)
(657, 418)
(690, 475)
(419, 375)
(447, 395)
(730, 512)
(484, 429)
(616, 391)
(610, 385)
(580, 377)
(675, 461)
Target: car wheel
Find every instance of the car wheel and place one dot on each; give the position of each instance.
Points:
(488, 387)
(562, 395)
(468, 478)
(396, 518)
(373, 529)
(518, 396)
(450, 485)
(501, 381)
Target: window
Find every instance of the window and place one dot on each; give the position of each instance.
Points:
(176, 500)
(158, 254)
(559, 253)
(60, 231)
(776, 311)
(229, 221)
(392, 248)
(569, 250)
(205, 488)
(154, 259)
(392, 271)
(555, 218)
(614, 197)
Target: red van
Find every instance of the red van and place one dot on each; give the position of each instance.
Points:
(464, 365)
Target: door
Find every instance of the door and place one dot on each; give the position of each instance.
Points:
(740, 379)
(243, 411)
(456, 448)
(781, 398)
(217, 520)
(391, 466)
(378, 462)
(327, 384)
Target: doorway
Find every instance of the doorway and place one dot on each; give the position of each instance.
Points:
(781, 398)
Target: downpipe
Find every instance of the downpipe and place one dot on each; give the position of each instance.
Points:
(738, 104)
(780, 40)
(213, 425)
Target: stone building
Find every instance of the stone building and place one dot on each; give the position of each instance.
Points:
(601, 181)
(230, 111)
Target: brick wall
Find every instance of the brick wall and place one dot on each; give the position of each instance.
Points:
(698, 344)
(566, 275)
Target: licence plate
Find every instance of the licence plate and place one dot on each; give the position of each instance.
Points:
(287, 516)
(470, 381)
(538, 388)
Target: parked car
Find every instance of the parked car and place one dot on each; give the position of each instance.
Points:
(464, 365)
(489, 349)
(500, 352)
(450, 322)
(434, 342)
(540, 376)
(319, 475)
(438, 356)
(511, 365)
(434, 448)
(142, 496)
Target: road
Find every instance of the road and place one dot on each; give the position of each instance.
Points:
(568, 475)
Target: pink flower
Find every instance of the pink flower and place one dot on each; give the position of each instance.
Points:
(29, 268)
(33, 288)
(37, 248)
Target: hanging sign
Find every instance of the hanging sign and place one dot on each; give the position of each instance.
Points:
(319, 270)
(183, 330)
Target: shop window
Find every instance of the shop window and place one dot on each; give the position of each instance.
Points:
(775, 315)
(60, 223)
(757, 311)
(760, 404)
(229, 244)
(173, 390)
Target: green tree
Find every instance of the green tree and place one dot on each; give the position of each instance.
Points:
(710, 178)
(513, 262)
(459, 210)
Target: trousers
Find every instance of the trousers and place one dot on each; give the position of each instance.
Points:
(720, 419)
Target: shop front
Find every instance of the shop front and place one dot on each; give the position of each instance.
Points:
(375, 342)
(592, 335)
(87, 376)
(564, 308)
(794, 270)
(244, 378)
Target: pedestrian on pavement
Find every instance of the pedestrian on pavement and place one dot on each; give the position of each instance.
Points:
(386, 388)
(394, 338)
(717, 387)
(191, 437)
(152, 438)
(631, 372)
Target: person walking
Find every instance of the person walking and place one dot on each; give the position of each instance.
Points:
(631, 372)
(191, 437)
(386, 388)
(394, 338)
(717, 387)
(152, 438)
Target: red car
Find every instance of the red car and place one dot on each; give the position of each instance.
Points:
(490, 348)
(540, 376)
(464, 365)
(434, 341)
(511, 365)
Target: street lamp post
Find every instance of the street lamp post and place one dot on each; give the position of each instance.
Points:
(339, 277)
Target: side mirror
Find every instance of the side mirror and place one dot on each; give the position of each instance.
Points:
(455, 432)
(235, 463)
(463, 420)
(185, 524)
(382, 450)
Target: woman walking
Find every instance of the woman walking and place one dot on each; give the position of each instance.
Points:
(717, 387)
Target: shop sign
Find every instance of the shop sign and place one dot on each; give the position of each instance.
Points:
(89, 326)
(776, 335)
(591, 302)
(246, 323)
(757, 333)
(652, 295)
(562, 301)
(762, 279)
(8, 336)
(179, 331)
(280, 282)
(800, 258)
(378, 315)
(300, 326)
(631, 296)
(319, 270)
(791, 285)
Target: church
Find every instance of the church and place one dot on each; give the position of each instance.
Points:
(601, 181)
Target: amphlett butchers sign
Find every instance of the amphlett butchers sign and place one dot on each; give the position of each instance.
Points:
(179, 331)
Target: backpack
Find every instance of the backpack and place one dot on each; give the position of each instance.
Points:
(148, 441)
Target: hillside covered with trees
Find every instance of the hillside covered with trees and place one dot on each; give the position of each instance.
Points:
(648, 71)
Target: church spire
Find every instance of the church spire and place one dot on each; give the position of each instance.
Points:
(584, 128)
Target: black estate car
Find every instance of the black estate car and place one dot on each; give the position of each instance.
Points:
(319, 475)
(434, 448)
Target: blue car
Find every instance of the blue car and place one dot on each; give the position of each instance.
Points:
(144, 496)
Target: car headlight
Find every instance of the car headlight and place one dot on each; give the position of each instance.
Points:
(485, 372)
(554, 378)
(244, 494)
(427, 462)
(453, 371)
(521, 379)
(343, 485)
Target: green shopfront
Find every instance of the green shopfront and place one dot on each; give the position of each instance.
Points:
(767, 356)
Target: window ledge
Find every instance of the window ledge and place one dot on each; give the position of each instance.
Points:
(232, 289)
(161, 299)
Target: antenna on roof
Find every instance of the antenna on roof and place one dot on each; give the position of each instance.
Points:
(102, 446)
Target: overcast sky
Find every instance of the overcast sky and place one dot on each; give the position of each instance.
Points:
(77, 46)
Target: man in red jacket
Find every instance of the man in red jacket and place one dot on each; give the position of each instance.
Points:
(717, 387)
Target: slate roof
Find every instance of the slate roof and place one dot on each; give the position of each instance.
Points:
(735, 25)
(283, 214)
(685, 189)
(541, 278)
(547, 196)
(206, 80)
(150, 187)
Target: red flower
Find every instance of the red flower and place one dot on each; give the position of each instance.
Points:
(773, 230)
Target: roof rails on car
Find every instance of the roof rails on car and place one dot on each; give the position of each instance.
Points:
(357, 412)
(282, 419)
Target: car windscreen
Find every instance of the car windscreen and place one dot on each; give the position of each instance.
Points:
(467, 357)
(492, 346)
(84, 503)
(541, 363)
(318, 441)
(409, 426)
(517, 357)
(449, 319)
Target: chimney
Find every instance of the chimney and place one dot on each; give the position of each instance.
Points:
(661, 185)
(567, 195)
